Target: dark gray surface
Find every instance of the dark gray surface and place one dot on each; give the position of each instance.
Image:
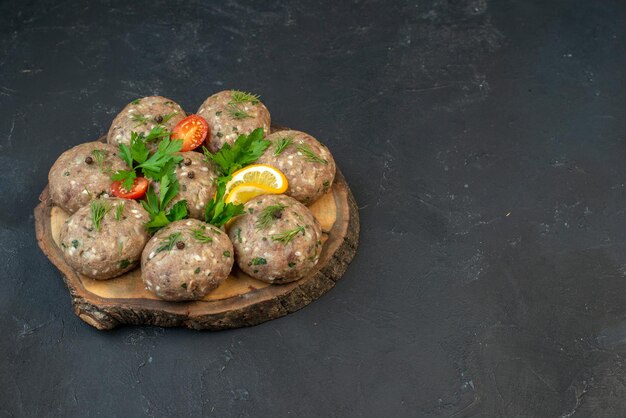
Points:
(484, 142)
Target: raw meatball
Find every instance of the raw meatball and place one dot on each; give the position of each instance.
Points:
(307, 164)
(186, 260)
(277, 240)
(142, 115)
(228, 117)
(196, 180)
(82, 174)
(110, 247)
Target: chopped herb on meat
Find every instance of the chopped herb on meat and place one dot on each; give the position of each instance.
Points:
(98, 209)
(268, 215)
(243, 97)
(136, 101)
(67, 173)
(125, 263)
(99, 156)
(291, 264)
(200, 236)
(287, 236)
(184, 285)
(256, 261)
(310, 156)
(218, 113)
(169, 242)
(237, 112)
(282, 143)
(226, 253)
(166, 118)
(139, 119)
(197, 270)
(75, 243)
(118, 210)
(238, 234)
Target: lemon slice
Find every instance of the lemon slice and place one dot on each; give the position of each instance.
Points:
(268, 177)
(244, 192)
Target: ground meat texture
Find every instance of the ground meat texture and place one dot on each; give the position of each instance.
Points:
(227, 120)
(196, 180)
(307, 164)
(186, 260)
(81, 174)
(111, 249)
(141, 116)
(277, 240)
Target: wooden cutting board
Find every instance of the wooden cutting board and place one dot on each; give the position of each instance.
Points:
(239, 301)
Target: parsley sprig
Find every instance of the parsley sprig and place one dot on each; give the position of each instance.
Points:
(156, 205)
(138, 157)
(217, 212)
(246, 150)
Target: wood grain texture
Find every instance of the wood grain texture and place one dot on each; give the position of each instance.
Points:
(240, 301)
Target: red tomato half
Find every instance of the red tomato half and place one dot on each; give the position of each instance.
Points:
(140, 185)
(192, 130)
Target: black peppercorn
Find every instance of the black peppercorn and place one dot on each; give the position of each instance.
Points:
(159, 119)
(191, 174)
(180, 245)
(187, 161)
(89, 160)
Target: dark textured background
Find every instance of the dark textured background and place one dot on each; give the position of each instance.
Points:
(483, 140)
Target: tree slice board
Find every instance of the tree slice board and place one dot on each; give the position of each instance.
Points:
(239, 301)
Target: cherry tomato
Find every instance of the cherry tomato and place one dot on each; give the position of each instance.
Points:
(140, 185)
(192, 130)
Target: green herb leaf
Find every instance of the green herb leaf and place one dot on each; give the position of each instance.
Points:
(287, 236)
(138, 150)
(139, 118)
(226, 253)
(153, 166)
(99, 156)
(119, 208)
(136, 101)
(199, 235)
(269, 214)
(158, 132)
(127, 177)
(125, 263)
(125, 153)
(178, 211)
(169, 242)
(280, 145)
(310, 156)
(98, 209)
(238, 96)
(237, 112)
(166, 118)
(246, 150)
(217, 212)
(75, 243)
(257, 261)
